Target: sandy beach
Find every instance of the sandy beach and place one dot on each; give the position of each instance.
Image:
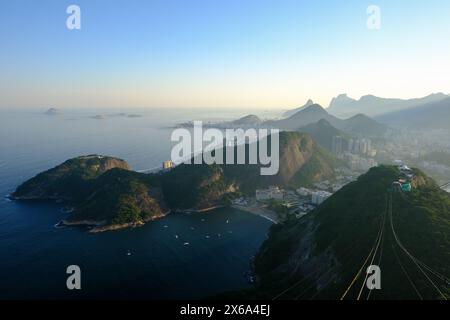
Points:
(262, 212)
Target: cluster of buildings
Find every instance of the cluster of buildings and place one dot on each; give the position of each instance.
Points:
(342, 145)
(271, 193)
(358, 163)
(357, 153)
(317, 196)
(240, 202)
(303, 200)
(299, 203)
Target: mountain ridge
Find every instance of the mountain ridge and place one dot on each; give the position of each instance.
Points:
(344, 106)
(433, 115)
(359, 124)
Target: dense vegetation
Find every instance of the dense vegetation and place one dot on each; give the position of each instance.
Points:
(194, 186)
(103, 190)
(121, 196)
(70, 180)
(324, 250)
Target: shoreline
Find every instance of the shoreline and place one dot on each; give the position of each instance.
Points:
(103, 226)
(262, 212)
(188, 211)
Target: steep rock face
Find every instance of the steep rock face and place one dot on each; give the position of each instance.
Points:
(301, 163)
(70, 180)
(295, 154)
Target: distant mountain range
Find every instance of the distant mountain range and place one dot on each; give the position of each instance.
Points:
(359, 124)
(344, 106)
(250, 120)
(308, 114)
(434, 115)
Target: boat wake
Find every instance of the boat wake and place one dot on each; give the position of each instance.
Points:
(59, 225)
(66, 210)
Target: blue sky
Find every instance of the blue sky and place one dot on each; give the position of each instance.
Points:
(216, 53)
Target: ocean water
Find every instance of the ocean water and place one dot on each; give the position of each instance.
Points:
(34, 254)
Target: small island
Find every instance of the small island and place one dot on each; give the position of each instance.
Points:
(53, 112)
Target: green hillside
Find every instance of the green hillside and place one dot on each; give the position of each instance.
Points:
(104, 192)
(70, 180)
(121, 197)
(321, 254)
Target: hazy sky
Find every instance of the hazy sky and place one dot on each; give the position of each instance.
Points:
(219, 53)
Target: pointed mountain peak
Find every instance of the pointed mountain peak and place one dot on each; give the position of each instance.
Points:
(294, 111)
(313, 108)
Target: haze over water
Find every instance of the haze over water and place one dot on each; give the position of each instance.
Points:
(34, 254)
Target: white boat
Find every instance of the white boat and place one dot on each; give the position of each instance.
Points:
(176, 236)
(129, 253)
(186, 244)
